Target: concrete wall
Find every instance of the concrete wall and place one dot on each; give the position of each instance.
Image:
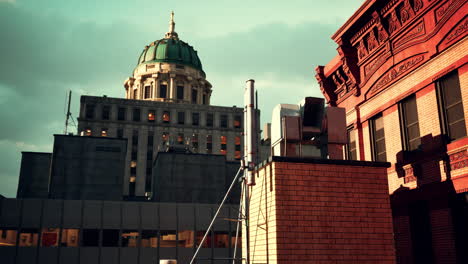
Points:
(87, 168)
(48, 216)
(193, 178)
(34, 175)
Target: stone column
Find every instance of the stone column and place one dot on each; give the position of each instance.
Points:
(172, 88)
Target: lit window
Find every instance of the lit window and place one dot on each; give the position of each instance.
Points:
(195, 142)
(130, 238)
(223, 145)
(207, 242)
(166, 118)
(165, 137)
(235, 238)
(50, 237)
(8, 237)
(132, 179)
(70, 237)
(221, 239)
(151, 116)
(237, 148)
(88, 132)
(186, 238)
(180, 139)
(168, 239)
(133, 164)
(149, 238)
(104, 132)
(237, 121)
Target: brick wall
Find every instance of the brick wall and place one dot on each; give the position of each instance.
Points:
(305, 211)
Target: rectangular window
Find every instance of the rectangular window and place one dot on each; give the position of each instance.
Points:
(90, 238)
(221, 239)
(378, 139)
(195, 119)
(88, 132)
(351, 151)
(209, 120)
(166, 118)
(104, 132)
(151, 116)
(180, 92)
(130, 238)
(168, 239)
(50, 237)
(209, 144)
(409, 123)
(165, 137)
(163, 91)
(180, 118)
(223, 140)
(208, 239)
(186, 238)
(8, 237)
(205, 99)
(110, 238)
(150, 140)
(451, 111)
(136, 114)
(224, 121)
(237, 121)
(195, 143)
(131, 188)
(120, 132)
(135, 138)
(180, 138)
(28, 237)
(194, 96)
(236, 238)
(149, 238)
(147, 92)
(105, 112)
(149, 155)
(121, 114)
(237, 148)
(135, 94)
(70, 237)
(89, 112)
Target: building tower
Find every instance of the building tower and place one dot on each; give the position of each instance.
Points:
(169, 70)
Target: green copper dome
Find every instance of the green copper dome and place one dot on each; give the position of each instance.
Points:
(171, 50)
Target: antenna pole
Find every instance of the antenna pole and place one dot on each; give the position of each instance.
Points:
(68, 112)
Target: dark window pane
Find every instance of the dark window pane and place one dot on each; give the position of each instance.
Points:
(181, 118)
(105, 112)
(180, 92)
(150, 140)
(208, 239)
(90, 238)
(120, 133)
(351, 146)
(163, 91)
(110, 238)
(195, 119)
(224, 121)
(209, 120)
(147, 92)
(194, 96)
(451, 106)
(410, 123)
(89, 111)
(121, 113)
(136, 114)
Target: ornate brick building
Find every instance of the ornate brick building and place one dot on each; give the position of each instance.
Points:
(401, 72)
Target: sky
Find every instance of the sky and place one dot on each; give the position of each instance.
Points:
(49, 47)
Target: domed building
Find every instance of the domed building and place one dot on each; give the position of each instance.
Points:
(169, 70)
(166, 107)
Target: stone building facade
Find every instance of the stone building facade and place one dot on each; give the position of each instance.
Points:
(167, 102)
(401, 73)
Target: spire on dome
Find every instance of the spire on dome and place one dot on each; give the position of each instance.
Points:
(171, 33)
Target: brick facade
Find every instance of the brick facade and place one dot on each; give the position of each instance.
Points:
(320, 211)
(387, 52)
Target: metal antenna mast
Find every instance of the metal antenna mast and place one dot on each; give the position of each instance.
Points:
(68, 112)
